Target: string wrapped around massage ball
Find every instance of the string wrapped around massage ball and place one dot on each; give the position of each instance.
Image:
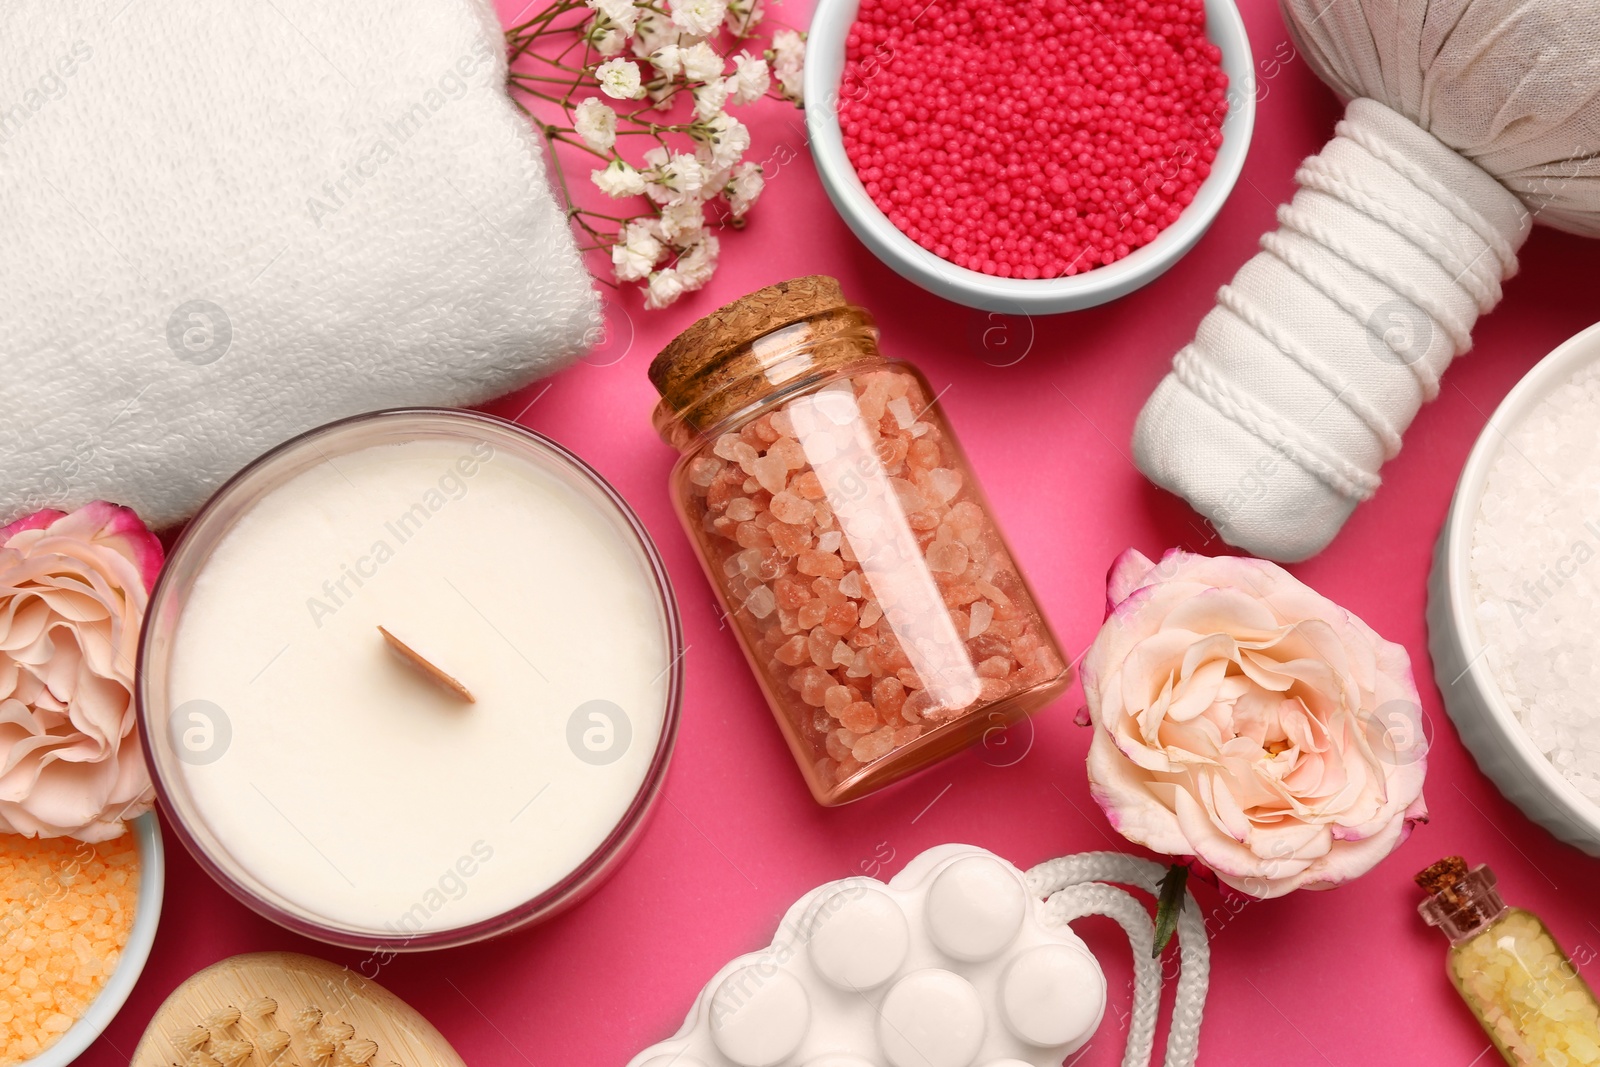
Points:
(1467, 121)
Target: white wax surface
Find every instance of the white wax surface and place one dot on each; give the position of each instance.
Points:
(353, 788)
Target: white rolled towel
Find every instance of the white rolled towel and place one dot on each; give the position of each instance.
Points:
(224, 224)
(1274, 421)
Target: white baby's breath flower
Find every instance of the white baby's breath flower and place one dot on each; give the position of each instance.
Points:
(619, 79)
(665, 287)
(698, 261)
(750, 79)
(710, 98)
(651, 31)
(701, 63)
(620, 13)
(716, 178)
(618, 180)
(596, 123)
(608, 41)
(668, 60)
(637, 250)
(744, 187)
(673, 179)
(743, 16)
(683, 222)
(788, 57)
(699, 17)
(723, 140)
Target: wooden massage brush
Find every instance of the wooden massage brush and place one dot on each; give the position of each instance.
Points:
(281, 1009)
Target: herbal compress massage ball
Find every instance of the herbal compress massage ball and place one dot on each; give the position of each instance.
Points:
(1467, 122)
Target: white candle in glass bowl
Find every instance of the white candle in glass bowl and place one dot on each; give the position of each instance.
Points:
(331, 784)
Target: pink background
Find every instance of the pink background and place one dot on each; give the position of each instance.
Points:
(1045, 410)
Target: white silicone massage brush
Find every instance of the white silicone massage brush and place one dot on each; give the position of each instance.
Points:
(960, 961)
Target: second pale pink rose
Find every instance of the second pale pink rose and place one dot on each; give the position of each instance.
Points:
(1245, 720)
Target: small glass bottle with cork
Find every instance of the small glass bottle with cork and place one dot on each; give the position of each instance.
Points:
(1524, 990)
(847, 539)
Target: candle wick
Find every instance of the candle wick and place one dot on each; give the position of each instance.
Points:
(428, 669)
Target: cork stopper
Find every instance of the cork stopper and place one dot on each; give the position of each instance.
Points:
(1461, 901)
(1443, 876)
(753, 348)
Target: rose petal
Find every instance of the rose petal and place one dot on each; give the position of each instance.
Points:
(1128, 802)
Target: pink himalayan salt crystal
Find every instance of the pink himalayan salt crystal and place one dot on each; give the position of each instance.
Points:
(792, 652)
(940, 484)
(772, 473)
(812, 613)
(761, 602)
(791, 508)
(949, 557)
(731, 448)
(858, 717)
(994, 667)
(824, 631)
(820, 563)
(875, 745)
(814, 684)
(703, 470)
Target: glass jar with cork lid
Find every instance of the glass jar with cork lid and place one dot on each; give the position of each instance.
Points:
(847, 540)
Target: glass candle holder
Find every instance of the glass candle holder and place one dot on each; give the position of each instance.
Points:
(289, 674)
(847, 538)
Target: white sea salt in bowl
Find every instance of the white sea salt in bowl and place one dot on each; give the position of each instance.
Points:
(1514, 598)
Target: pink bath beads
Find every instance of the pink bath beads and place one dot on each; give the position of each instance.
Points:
(1032, 138)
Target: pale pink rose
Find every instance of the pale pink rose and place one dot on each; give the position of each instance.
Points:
(1249, 722)
(73, 590)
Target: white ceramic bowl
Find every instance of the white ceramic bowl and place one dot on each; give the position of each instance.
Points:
(146, 916)
(825, 45)
(1486, 724)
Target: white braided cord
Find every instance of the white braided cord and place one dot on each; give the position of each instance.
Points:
(1252, 315)
(1471, 217)
(1478, 275)
(1321, 275)
(1297, 220)
(1206, 382)
(1075, 886)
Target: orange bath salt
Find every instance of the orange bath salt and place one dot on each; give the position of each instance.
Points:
(66, 909)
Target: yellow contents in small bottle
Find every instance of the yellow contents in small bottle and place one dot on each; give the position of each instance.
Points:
(1527, 993)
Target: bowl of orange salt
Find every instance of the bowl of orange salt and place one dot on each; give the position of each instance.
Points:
(76, 924)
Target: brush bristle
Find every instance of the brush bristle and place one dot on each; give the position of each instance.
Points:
(261, 1008)
(271, 1044)
(358, 1052)
(193, 1039)
(221, 1019)
(311, 1038)
(230, 1051)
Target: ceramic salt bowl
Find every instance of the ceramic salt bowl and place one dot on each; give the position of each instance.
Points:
(1472, 696)
(825, 60)
(146, 916)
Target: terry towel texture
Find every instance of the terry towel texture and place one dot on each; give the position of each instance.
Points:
(224, 224)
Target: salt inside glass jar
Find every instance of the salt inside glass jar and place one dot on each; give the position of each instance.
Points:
(847, 539)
